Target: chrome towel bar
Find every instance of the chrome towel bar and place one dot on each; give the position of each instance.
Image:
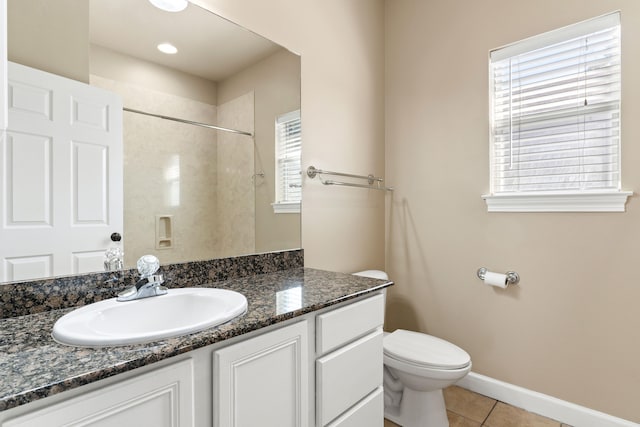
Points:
(373, 182)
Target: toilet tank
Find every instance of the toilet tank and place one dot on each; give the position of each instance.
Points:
(374, 274)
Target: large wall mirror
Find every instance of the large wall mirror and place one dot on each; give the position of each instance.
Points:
(188, 192)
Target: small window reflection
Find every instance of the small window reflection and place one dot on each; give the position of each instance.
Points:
(172, 181)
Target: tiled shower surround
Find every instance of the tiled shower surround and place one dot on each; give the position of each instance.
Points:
(169, 169)
(199, 177)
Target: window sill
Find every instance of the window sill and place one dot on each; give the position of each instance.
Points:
(286, 208)
(611, 201)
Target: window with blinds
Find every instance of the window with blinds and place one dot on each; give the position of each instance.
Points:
(288, 163)
(555, 112)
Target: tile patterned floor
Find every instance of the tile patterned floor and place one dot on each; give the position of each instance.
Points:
(468, 409)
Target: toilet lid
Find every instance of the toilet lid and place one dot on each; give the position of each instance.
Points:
(425, 350)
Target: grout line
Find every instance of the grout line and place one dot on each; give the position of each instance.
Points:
(495, 402)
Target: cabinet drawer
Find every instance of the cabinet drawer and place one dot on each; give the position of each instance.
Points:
(368, 412)
(345, 324)
(347, 375)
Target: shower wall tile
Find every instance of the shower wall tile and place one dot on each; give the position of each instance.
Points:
(170, 169)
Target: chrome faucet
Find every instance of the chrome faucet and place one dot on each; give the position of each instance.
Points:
(149, 285)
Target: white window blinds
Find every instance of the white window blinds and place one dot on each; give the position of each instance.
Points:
(555, 111)
(288, 158)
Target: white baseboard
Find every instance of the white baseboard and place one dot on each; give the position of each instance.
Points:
(538, 403)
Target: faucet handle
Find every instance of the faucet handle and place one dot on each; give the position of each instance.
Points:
(148, 265)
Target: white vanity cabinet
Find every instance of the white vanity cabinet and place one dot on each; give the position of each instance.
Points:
(270, 377)
(349, 369)
(263, 381)
(159, 398)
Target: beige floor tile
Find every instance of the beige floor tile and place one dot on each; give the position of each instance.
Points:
(456, 420)
(504, 415)
(467, 403)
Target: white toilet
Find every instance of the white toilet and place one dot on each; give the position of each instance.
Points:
(417, 367)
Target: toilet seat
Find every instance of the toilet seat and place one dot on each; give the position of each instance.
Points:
(426, 351)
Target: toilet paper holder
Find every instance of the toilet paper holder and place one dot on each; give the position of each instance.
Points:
(512, 277)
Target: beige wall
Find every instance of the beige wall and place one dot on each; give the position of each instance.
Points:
(276, 83)
(570, 329)
(341, 43)
(30, 24)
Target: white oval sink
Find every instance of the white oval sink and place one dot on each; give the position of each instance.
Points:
(179, 312)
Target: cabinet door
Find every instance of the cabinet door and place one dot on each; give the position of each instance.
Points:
(263, 381)
(160, 398)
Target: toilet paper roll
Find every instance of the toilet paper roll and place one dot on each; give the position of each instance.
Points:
(495, 279)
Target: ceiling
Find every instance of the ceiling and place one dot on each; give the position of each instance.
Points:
(208, 45)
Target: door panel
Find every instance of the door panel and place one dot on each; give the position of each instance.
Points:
(26, 267)
(90, 183)
(28, 173)
(61, 165)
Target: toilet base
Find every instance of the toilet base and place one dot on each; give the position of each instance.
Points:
(419, 409)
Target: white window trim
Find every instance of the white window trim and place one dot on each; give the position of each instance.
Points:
(610, 201)
(572, 201)
(286, 207)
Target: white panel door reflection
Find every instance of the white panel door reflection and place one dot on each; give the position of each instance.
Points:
(61, 176)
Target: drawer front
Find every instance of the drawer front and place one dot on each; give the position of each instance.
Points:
(347, 375)
(368, 412)
(340, 326)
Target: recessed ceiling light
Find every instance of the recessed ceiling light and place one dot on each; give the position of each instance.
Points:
(167, 48)
(170, 5)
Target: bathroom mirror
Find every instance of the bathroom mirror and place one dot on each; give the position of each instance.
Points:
(190, 192)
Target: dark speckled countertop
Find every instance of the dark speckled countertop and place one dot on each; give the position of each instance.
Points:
(34, 366)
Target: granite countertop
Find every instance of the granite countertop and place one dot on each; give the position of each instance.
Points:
(34, 366)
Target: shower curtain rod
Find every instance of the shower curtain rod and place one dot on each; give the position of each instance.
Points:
(189, 122)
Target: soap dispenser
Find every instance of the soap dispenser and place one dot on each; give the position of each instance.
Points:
(114, 255)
